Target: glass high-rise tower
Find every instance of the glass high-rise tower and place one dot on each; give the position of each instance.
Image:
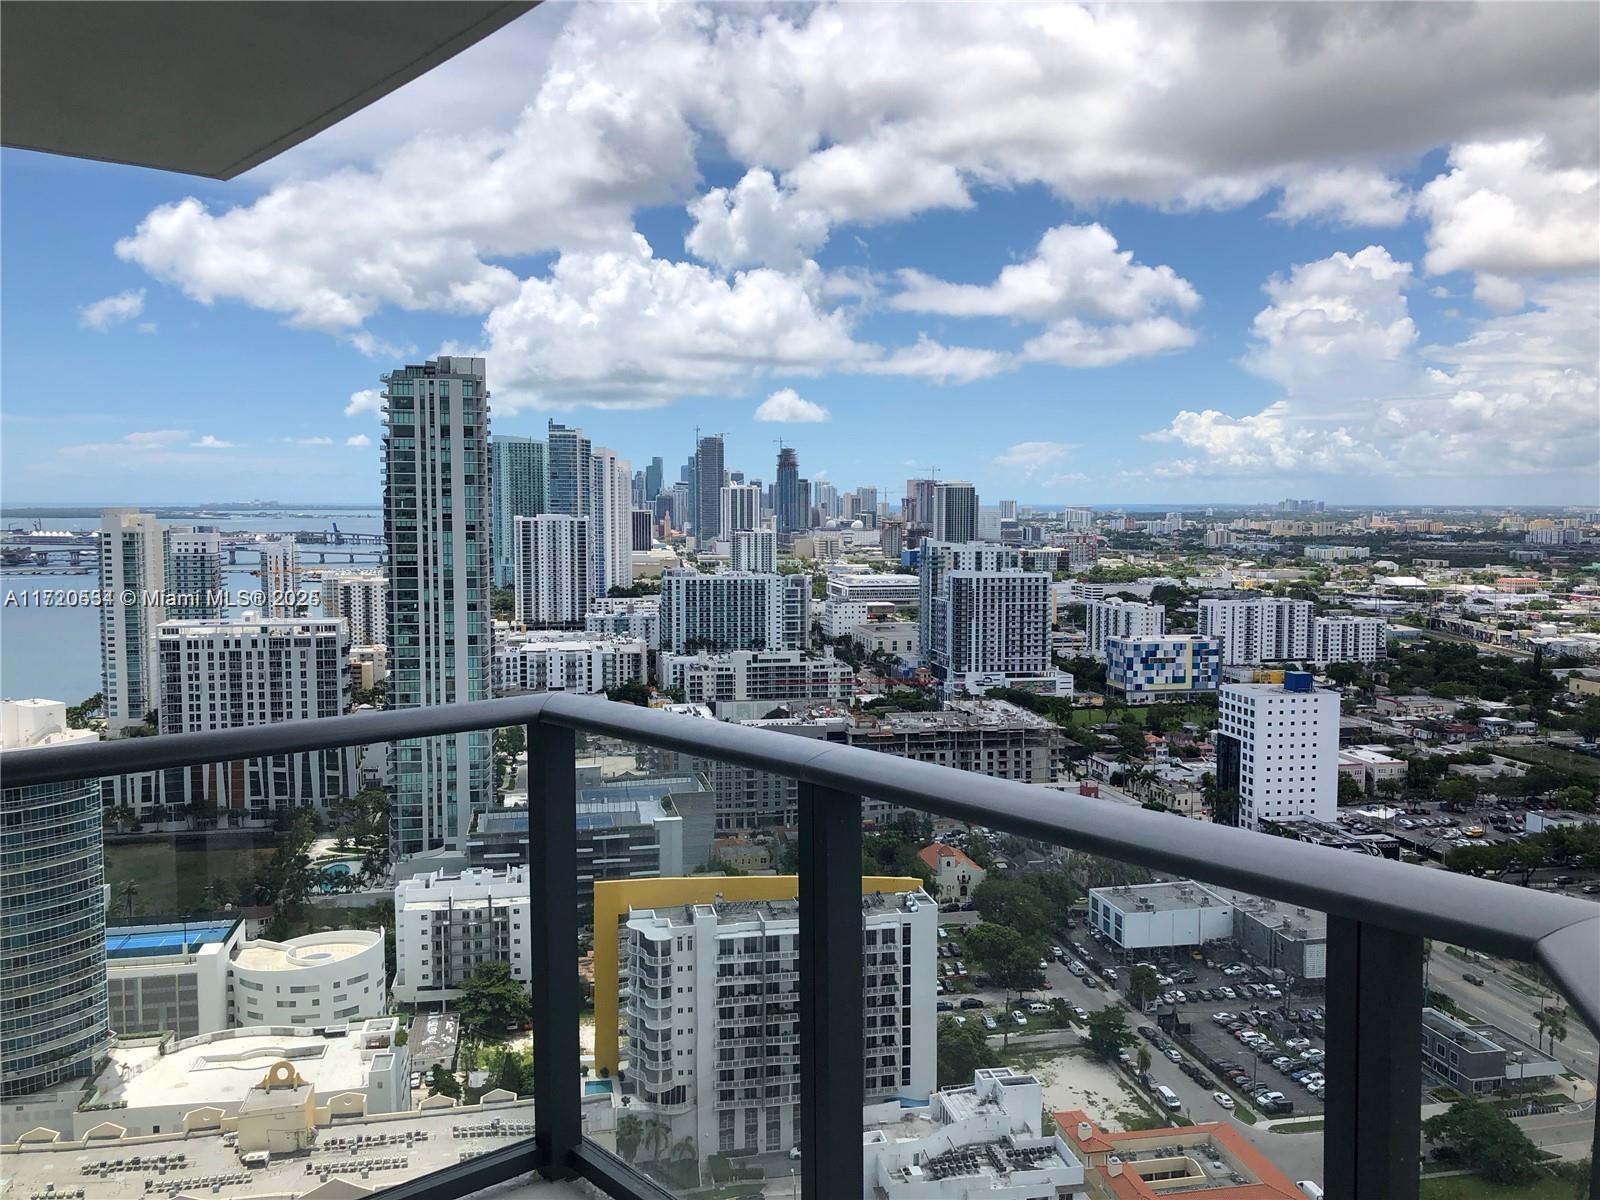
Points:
(436, 518)
(521, 489)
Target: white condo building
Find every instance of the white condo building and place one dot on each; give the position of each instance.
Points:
(980, 613)
(555, 661)
(446, 925)
(754, 550)
(712, 1015)
(734, 610)
(1348, 639)
(1118, 618)
(741, 508)
(634, 617)
(1258, 630)
(553, 570)
(361, 599)
(1278, 749)
(133, 578)
(194, 573)
(611, 520)
(280, 576)
(436, 520)
(251, 671)
(764, 676)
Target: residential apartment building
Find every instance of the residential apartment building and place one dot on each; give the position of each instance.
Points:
(636, 617)
(1278, 749)
(1152, 670)
(754, 550)
(1119, 618)
(54, 1023)
(739, 507)
(437, 522)
(738, 683)
(642, 524)
(447, 925)
(712, 1015)
(567, 458)
(241, 673)
(734, 610)
(193, 573)
(955, 512)
(361, 600)
(791, 495)
(520, 471)
(133, 578)
(553, 660)
(710, 474)
(1257, 630)
(1348, 639)
(979, 613)
(280, 577)
(611, 521)
(552, 570)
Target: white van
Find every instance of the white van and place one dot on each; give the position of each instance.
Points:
(1168, 1097)
(1309, 1188)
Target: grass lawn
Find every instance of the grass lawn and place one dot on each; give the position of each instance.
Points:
(171, 874)
(1299, 1127)
(1550, 756)
(1467, 1187)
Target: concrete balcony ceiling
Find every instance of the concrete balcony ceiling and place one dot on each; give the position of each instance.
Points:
(214, 88)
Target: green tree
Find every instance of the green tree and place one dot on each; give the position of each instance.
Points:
(1010, 959)
(963, 1049)
(513, 1071)
(492, 1000)
(1485, 1140)
(1108, 1033)
(630, 693)
(1349, 791)
(1143, 986)
(1456, 794)
(443, 1083)
(502, 603)
(1144, 1060)
(1015, 902)
(1552, 1024)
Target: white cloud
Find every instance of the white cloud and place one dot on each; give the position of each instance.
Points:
(311, 441)
(112, 310)
(1518, 396)
(625, 328)
(1030, 457)
(1498, 292)
(1347, 195)
(930, 360)
(858, 113)
(1507, 208)
(1098, 306)
(367, 400)
(787, 405)
(754, 224)
(145, 442)
(209, 442)
(358, 439)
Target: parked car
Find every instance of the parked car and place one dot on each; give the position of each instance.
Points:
(1173, 1055)
(1223, 1099)
(990, 1023)
(1037, 1007)
(1018, 1018)
(971, 1002)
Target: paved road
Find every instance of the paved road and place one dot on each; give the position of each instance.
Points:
(1497, 1002)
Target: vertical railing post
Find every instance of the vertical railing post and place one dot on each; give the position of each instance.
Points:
(831, 1055)
(1374, 1065)
(553, 880)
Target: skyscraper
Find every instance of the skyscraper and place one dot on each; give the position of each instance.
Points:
(521, 489)
(643, 529)
(54, 1019)
(280, 576)
(133, 579)
(918, 507)
(955, 511)
(610, 513)
(568, 468)
(791, 495)
(754, 550)
(440, 641)
(1278, 749)
(554, 567)
(654, 479)
(362, 599)
(194, 573)
(708, 471)
(739, 507)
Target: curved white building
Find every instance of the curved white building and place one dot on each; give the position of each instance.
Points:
(318, 979)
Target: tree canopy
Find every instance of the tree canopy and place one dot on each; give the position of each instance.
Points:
(1008, 957)
(963, 1049)
(492, 1000)
(1108, 1034)
(1484, 1139)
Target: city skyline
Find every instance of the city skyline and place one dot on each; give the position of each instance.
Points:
(1369, 311)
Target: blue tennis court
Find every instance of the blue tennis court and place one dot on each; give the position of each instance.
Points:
(141, 941)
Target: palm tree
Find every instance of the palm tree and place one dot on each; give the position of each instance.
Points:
(1552, 1024)
(127, 893)
(1144, 1059)
(630, 1130)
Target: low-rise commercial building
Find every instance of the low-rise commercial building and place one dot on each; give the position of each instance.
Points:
(1160, 915)
(744, 684)
(553, 661)
(1282, 937)
(874, 587)
(1477, 1059)
(897, 639)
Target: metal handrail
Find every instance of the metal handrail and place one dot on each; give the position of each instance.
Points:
(1560, 933)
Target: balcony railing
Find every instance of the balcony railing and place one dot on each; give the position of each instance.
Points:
(1379, 912)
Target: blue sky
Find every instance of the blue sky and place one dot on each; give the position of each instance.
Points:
(1225, 255)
